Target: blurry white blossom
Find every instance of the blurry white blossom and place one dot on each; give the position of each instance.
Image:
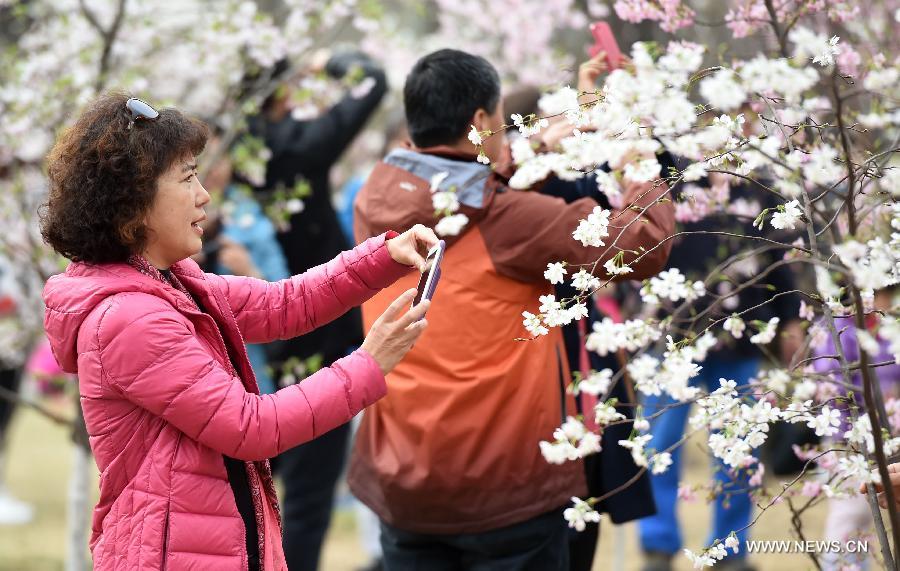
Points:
(451, 225)
(580, 514)
(787, 215)
(766, 333)
(555, 272)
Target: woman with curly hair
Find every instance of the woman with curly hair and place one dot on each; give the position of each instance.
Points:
(178, 428)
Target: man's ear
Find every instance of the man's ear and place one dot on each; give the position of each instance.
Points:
(480, 119)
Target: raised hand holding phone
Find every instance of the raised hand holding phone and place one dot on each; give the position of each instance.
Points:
(605, 42)
(410, 247)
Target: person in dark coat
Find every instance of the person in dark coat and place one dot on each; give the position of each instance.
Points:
(613, 466)
(306, 150)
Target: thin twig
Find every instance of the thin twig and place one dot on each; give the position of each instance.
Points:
(16, 398)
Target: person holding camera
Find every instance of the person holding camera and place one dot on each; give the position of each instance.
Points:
(177, 426)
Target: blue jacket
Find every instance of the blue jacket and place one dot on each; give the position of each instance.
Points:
(249, 227)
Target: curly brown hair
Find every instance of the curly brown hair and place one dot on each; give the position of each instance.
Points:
(103, 178)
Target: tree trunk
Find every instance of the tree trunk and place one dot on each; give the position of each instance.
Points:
(78, 510)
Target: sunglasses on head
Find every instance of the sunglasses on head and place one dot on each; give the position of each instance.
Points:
(139, 110)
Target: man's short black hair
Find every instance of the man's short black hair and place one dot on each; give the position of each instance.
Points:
(443, 91)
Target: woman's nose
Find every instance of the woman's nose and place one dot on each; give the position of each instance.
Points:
(202, 195)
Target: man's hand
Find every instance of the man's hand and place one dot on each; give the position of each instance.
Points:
(894, 474)
(556, 132)
(411, 247)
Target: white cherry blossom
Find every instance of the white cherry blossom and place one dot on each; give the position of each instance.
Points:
(555, 272)
(580, 514)
(827, 422)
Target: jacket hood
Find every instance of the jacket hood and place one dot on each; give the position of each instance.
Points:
(71, 296)
(469, 178)
(398, 191)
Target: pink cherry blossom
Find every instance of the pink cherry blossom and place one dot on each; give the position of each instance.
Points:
(686, 493)
(848, 61)
(757, 478)
(671, 14)
(811, 489)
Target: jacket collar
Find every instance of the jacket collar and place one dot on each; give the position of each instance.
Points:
(467, 177)
(501, 171)
(187, 270)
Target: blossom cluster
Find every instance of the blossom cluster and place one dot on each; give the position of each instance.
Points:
(671, 14)
(446, 206)
(671, 285)
(672, 374)
(572, 441)
(791, 126)
(608, 337)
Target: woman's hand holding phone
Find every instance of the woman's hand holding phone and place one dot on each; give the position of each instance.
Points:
(411, 247)
(396, 331)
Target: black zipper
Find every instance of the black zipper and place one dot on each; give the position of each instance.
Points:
(165, 552)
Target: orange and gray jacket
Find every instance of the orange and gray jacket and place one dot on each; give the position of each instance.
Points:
(453, 448)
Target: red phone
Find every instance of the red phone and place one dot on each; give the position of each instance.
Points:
(7, 305)
(605, 41)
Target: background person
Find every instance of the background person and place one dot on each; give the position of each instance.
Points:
(613, 466)
(13, 511)
(740, 360)
(849, 518)
(306, 150)
(245, 245)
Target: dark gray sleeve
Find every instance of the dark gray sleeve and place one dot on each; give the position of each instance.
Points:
(317, 144)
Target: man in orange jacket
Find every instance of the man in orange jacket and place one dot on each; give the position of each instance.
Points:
(449, 460)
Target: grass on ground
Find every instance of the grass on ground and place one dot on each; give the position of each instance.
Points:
(40, 457)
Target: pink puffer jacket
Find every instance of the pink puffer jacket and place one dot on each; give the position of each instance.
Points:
(162, 406)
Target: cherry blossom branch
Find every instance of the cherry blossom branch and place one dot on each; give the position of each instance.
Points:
(874, 409)
(107, 35)
(581, 297)
(18, 399)
(641, 471)
(785, 488)
(798, 527)
(863, 167)
(850, 203)
(751, 282)
(757, 306)
(776, 27)
(711, 232)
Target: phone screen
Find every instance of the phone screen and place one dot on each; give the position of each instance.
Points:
(423, 280)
